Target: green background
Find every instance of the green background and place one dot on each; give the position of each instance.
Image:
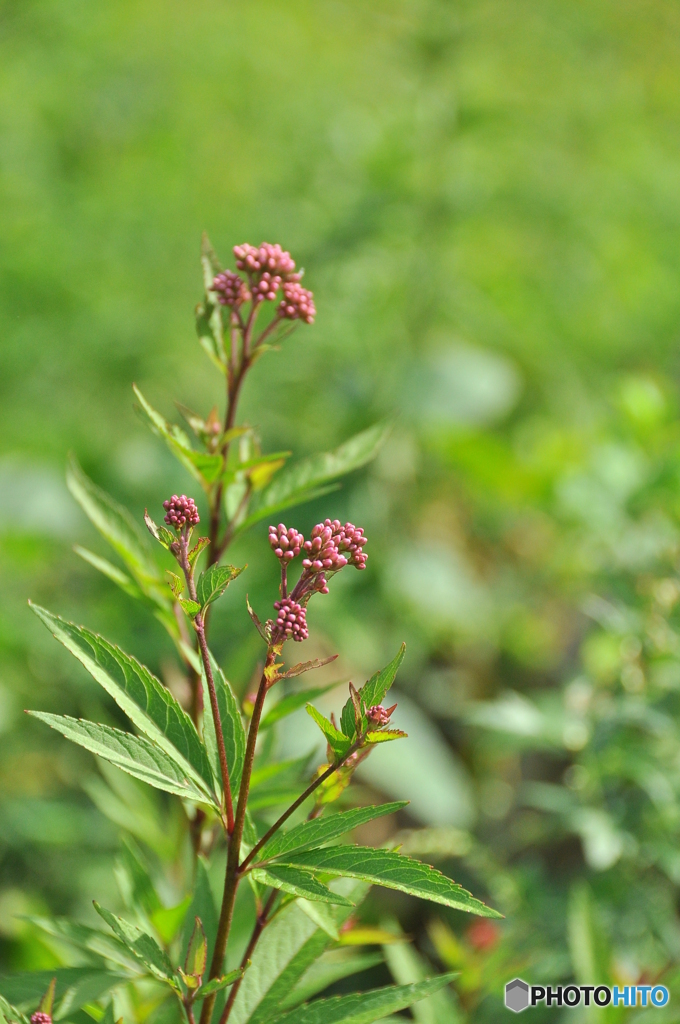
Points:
(485, 197)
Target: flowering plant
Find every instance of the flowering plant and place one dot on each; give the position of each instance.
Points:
(177, 961)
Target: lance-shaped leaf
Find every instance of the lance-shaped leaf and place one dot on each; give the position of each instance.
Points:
(232, 727)
(202, 906)
(331, 967)
(148, 704)
(389, 869)
(307, 666)
(203, 466)
(217, 984)
(291, 702)
(10, 1014)
(141, 944)
(292, 484)
(135, 755)
(298, 883)
(296, 498)
(88, 939)
(363, 1007)
(197, 953)
(46, 1004)
(75, 987)
(385, 735)
(371, 693)
(134, 880)
(338, 742)
(164, 537)
(115, 574)
(212, 583)
(288, 947)
(313, 834)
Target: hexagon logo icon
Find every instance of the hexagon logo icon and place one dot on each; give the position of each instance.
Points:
(517, 995)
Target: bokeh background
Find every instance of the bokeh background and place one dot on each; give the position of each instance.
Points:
(486, 198)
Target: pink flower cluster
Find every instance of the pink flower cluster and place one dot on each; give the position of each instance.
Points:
(378, 715)
(231, 289)
(265, 258)
(291, 620)
(297, 303)
(181, 511)
(333, 546)
(286, 544)
(41, 1018)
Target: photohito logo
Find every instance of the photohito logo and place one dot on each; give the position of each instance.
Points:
(519, 995)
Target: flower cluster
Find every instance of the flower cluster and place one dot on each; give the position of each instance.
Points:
(378, 715)
(291, 620)
(333, 546)
(286, 544)
(181, 511)
(231, 289)
(268, 258)
(41, 1018)
(297, 303)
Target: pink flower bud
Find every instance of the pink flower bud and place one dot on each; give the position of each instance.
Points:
(291, 620)
(285, 543)
(41, 1018)
(297, 303)
(231, 289)
(378, 715)
(180, 511)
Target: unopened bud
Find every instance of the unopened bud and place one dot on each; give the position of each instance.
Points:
(378, 715)
(291, 620)
(285, 543)
(297, 303)
(180, 511)
(231, 289)
(41, 1018)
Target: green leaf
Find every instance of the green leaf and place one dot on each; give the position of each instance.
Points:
(200, 545)
(297, 498)
(192, 608)
(390, 869)
(407, 967)
(203, 907)
(320, 469)
(287, 948)
(76, 986)
(363, 1007)
(331, 967)
(232, 727)
(204, 467)
(112, 571)
(197, 953)
(167, 921)
(291, 702)
(298, 883)
(82, 937)
(217, 984)
(135, 880)
(46, 1004)
(371, 693)
(141, 944)
(10, 1014)
(148, 704)
(116, 524)
(312, 834)
(214, 581)
(160, 533)
(385, 735)
(176, 583)
(339, 743)
(133, 754)
(320, 913)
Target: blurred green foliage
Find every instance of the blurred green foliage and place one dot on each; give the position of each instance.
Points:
(484, 196)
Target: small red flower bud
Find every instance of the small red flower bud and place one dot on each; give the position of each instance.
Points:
(291, 620)
(297, 303)
(285, 543)
(41, 1018)
(378, 715)
(231, 289)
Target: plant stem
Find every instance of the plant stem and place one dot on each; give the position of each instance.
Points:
(232, 874)
(205, 657)
(294, 806)
(260, 925)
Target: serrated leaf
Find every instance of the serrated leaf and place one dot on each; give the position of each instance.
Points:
(203, 466)
(320, 913)
(116, 524)
(339, 743)
(217, 984)
(298, 883)
(287, 948)
(141, 944)
(292, 702)
(197, 953)
(148, 704)
(115, 574)
(320, 469)
(363, 1007)
(373, 692)
(384, 735)
(214, 581)
(313, 834)
(232, 727)
(393, 871)
(135, 755)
